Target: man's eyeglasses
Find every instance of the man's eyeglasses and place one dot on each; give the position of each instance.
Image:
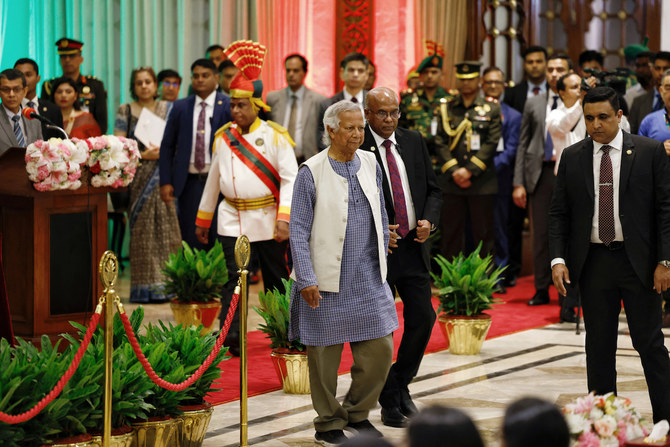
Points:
(383, 114)
(171, 84)
(7, 90)
(494, 83)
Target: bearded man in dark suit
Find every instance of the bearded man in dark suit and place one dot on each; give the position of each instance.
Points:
(609, 232)
(413, 200)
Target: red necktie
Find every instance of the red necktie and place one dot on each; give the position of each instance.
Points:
(606, 198)
(536, 91)
(199, 160)
(398, 193)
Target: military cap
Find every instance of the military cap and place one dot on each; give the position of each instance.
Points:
(631, 51)
(412, 74)
(468, 69)
(69, 46)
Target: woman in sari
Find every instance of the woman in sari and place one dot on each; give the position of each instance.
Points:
(77, 123)
(154, 229)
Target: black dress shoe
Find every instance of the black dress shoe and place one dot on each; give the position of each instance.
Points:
(500, 288)
(540, 297)
(393, 417)
(567, 315)
(407, 408)
(510, 281)
(364, 427)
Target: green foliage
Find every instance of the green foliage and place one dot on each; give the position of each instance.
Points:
(466, 284)
(190, 349)
(274, 308)
(195, 275)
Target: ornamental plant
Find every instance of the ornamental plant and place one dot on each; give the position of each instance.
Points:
(195, 276)
(604, 420)
(274, 308)
(112, 160)
(466, 283)
(55, 164)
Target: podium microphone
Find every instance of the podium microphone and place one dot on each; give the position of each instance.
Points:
(31, 114)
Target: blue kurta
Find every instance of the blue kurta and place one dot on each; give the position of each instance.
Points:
(654, 126)
(364, 308)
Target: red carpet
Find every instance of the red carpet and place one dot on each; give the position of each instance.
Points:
(511, 316)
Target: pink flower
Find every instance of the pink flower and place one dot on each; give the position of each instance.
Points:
(588, 439)
(74, 176)
(66, 150)
(605, 427)
(42, 172)
(118, 183)
(129, 170)
(41, 186)
(38, 143)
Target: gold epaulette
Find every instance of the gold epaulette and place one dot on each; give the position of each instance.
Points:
(47, 86)
(282, 130)
(223, 128)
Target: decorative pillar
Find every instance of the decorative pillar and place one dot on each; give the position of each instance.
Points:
(353, 31)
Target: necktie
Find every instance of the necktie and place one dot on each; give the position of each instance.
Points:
(17, 131)
(31, 104)
(398, 193)
(606, 199)
(658, 102)
(199, 161)
(293, 116)
(548, 143)
(536, 90)
(354, 99)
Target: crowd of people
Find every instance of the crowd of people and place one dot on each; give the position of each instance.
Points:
(346, 193)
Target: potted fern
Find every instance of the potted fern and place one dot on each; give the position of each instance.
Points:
(466, 285)
(196, 279)
(288, 356)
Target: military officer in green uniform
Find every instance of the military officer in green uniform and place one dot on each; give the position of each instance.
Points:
(467, 138)
(420, 108)
(92, 94)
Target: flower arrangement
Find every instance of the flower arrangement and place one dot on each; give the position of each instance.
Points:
(603, 421)
(112, 160)
(55, 163)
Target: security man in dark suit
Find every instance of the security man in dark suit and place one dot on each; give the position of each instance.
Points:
(43, 107)
(413, 199)
(92, 94)
(609, 232)
(467, 138)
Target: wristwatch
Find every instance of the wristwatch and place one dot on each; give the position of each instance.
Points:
(665, 264)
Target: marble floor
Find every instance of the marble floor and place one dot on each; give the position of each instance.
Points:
(548, 362)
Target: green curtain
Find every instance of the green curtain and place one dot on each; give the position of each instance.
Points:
(120, 35)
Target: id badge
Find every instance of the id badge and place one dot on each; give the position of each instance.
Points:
(433, 126)
(501, 145)
(474, 142)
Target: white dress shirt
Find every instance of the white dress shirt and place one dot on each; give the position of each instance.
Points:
(409, 203)
(209, 113)
(542, 86)
(359, 97)
(297, 138)
(35, 100)
(615, 155)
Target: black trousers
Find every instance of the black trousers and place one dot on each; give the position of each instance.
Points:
(272, 257)
(408, 275)
(608, 279)
(187, 211)
(455, 207)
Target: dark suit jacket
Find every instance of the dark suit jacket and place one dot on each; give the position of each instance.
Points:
(642, 106)
(504, 161)
(516, 96)
(426, 192)
(644, 205)
(177, 140)
(339, 96)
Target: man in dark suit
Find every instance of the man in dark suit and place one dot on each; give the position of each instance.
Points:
(413, 199)
(43, 107)
(534, 173)
(650, 101)
(184, 158)
(533, 84)
(297, 108)
(354, 74)
(15, 130)
(610, 233)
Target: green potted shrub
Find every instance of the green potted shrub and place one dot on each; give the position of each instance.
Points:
(466, 285)
(288, 356)
(196, 279)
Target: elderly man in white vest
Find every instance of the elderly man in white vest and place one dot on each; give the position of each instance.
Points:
(339, 239)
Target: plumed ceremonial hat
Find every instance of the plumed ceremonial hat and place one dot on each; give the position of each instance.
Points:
(68, 46)
(248, 57)
(434, 58)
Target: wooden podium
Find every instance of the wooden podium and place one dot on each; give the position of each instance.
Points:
(52, 242)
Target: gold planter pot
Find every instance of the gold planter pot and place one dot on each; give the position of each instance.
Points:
(292, 370)
(123, 440)
(466, 334)
(195, 425)
(165, 433)
(195, 314)
(77, 441)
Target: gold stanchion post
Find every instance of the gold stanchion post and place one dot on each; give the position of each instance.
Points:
(108, 271)
(242, 252)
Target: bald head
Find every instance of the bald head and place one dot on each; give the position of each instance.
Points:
(381, 111)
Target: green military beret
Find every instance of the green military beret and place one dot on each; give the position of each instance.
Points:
(433, 60)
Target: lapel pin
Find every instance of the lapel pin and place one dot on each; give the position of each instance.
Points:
(628, 152)
(372, 148)
(220, 102)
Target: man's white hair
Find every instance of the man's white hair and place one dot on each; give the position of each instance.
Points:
(332, 117)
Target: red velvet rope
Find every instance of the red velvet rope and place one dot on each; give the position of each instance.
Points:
(196, 375)
(46, 400)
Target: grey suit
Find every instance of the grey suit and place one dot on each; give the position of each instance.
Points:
(642, 106)
(279, 101)
(33, 131)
